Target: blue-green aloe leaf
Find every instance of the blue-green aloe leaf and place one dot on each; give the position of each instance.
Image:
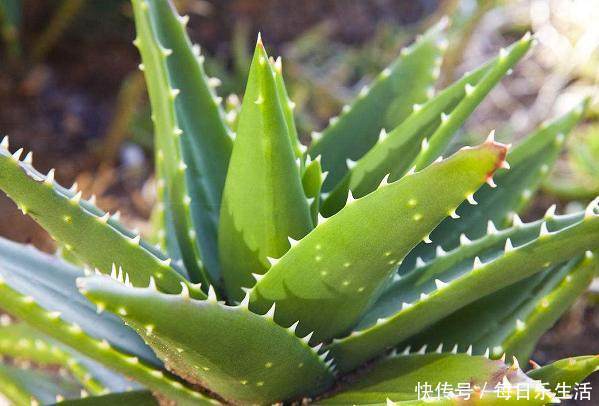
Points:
(398, 378)
(51, 283)
(511, 320)
(51, 323)
(388, 325)
(92, 235)
(206, 142)
(243, 356)
(263, 202)
(384, 104)
(27, 386)
(328, 278)
(396, 152)
(530, 162)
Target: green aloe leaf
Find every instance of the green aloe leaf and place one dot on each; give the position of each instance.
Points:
(512, 320)
(439, 118)
(464, 284)
(70, 334)
(51, 283)
(287, 107)
(93, 236)
(243, 356)
(440, 139)
(395, 151)
(21, 342)
(402, 378)
(328, 279)
(534, 319)
(137, 398)
(384, 104)
(530, 162)
(206, 142)
(26, 387)
(568, 371)
(312, 180)
(171, 169)
(263, 202)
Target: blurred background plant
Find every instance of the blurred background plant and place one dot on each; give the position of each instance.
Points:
(69, 85)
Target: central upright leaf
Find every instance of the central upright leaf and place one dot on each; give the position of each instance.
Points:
(328, 279)
(263, 201)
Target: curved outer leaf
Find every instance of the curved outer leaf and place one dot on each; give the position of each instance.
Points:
(474, 95)
(242, 356)
(395, 151)
(398, 378)
(485, 278)
(382, 105)
(263, 201)
(569, 371)
(530, 162)
(26, 387)
(173, 192)
(206, 142)
(329, 278)
(91, 234)
(51, 324)
(137, 398)
(51, 283)
(511, 320)
(23, 343)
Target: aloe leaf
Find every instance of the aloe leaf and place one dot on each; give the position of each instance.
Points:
(70, 334)
(263, 201)
(382, 105)
(12, 389)
(531, 321)
(440, 139)
(25, 344)
(328, 279)
(399, 378)
(312, 180)
(512, 320)
(287, 107)
(137, 398)
(395, 151)
(94, 236)
(26, 387)
(171, 168)
(51, 283)
(568, 371)
(244, 357)
(530, 162)
(467, 284)
(449, 264)
(206, 142)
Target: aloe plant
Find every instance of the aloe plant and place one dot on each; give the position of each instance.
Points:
(281, 270)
